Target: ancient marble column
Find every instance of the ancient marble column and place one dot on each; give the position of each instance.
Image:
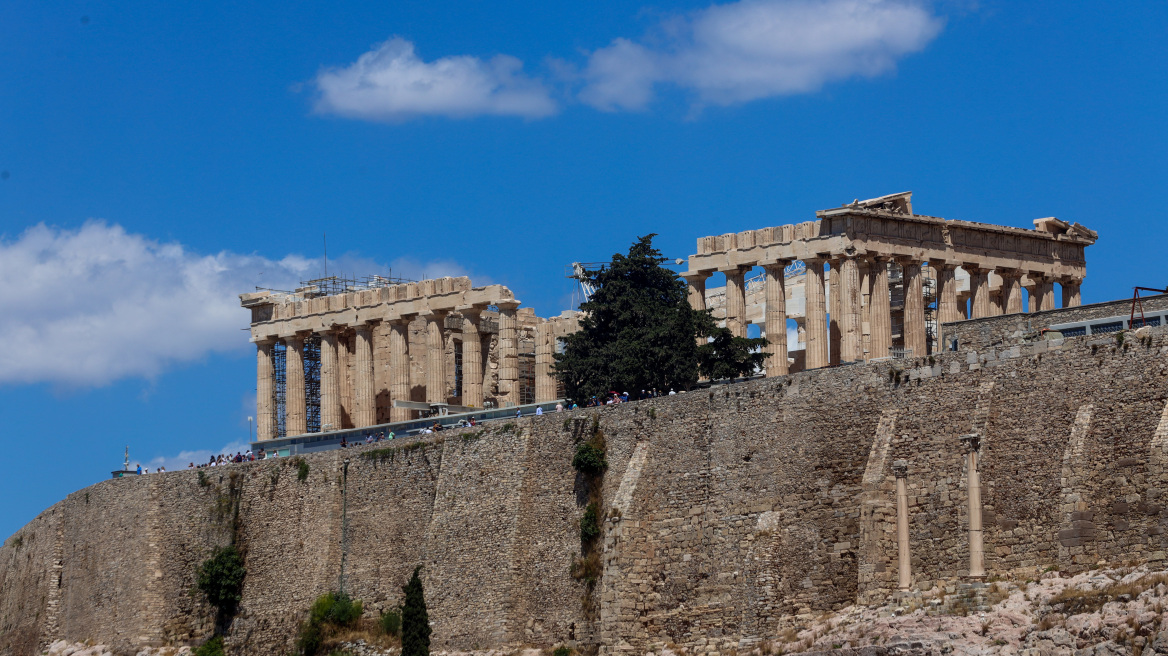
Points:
(436, 357)
(947, 310)
(973, 478)
(472, 358)
(696, 285)
(833, 311)
(545, 381)
(265, 391)
(330, 390)
(816, 320)
(1011, 290)
(508, 354)
(979, 289)
(849, 309)
(904, 558)
(1048, 302)
(881, 312)
(776, 319)
(736, 300)
(914, 309)
(295, 403)
(399, 366)
(364, 390)
(1071, 296)
(865, 308)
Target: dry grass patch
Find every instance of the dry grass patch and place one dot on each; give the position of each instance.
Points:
(1075, 601)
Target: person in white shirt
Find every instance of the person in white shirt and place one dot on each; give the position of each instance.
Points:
(538, 410)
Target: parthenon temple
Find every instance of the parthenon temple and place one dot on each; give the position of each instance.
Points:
(863, 281)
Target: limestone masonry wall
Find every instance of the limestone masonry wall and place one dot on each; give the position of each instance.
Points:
(729, 513)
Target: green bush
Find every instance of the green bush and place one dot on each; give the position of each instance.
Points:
(213, 647)
(337, 609)
(310, 640)
(589, 459)
(589, 526)
(562, 651)
(302, 471)
(415, 619)
(391, 622)
(221, 579)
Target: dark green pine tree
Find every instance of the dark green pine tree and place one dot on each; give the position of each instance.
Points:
(415, 626)
(726, 356)
(638, 330)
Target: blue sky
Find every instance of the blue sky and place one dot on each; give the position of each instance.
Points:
(158, 158)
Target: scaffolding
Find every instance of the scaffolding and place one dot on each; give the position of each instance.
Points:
(279, 358)
(333, 285)
(312, 383)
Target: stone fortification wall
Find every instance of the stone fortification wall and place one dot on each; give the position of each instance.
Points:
(730, 513)
(990, 332)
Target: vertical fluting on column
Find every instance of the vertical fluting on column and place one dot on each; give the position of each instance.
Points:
(696, 285)
(914, 309)
(1071, 294)
(399, 367)
(833, 312)
(1034, 291)
(865, 308)
(330, 391)
(904, 558)
(881, 312)
(849, 307)
(973, 478)
(265, 391)
(364, 396)
(1011, 290)
(295, 403)
(436, 357)
(776, 319)
(979, 289)
(472, 359)
(947, 311)
(508, 354)
(816, 321)
(545, 382)
(736, 301)
(1047, 293)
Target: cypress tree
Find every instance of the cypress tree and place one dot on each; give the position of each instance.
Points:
(415, 621)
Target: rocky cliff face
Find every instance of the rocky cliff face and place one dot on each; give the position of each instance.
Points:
(729, 516)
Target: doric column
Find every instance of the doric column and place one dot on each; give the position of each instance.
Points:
(904, 558)
(472, 358)
(776, 319)
(880, 315)
(399, 366)
(833, 311)
(295, 403)
(696, 284)
(364, 395)
(849, 309)
(736, 300)
(545, 382)
(436, 357)
(979, 289)
(914, 309)
(816, 320)
(866, 308)
(947, 310)
(1047, 293)
(508, 353)
(330, 390)
(265, 391)
(1071, 297)
(973, 478)
(1011, 290)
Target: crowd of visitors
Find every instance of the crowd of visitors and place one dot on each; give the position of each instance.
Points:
(612, 398)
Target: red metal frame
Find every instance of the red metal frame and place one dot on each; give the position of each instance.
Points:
(1136, 300)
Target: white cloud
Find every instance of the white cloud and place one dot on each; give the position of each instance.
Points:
(89, 306)
(391, 83)
(742, 51)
